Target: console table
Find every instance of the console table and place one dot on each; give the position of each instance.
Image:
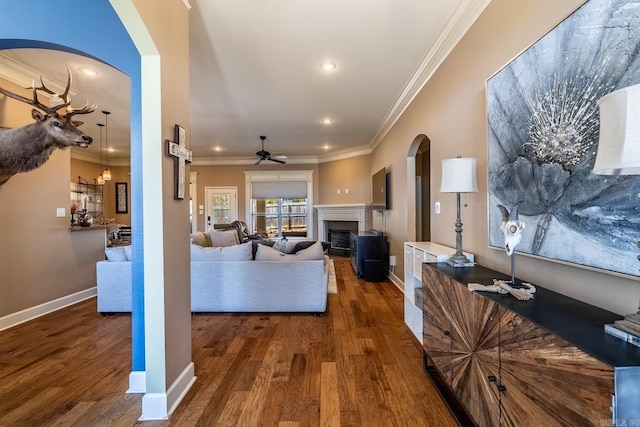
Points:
(546, 361)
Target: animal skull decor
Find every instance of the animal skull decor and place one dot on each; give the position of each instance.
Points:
(29, 147)
(511, 227)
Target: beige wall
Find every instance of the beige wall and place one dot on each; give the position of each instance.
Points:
(451, 111)
(40, 260)
(353, 174)
(233, 176)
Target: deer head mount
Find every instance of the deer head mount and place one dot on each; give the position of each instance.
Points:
(29, 147)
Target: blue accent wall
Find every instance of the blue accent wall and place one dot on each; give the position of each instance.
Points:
(91, 28)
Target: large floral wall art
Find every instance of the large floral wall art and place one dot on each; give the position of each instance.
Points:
(543, 124)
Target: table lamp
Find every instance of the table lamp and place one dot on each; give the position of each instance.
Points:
(459, 176)
(619, 142)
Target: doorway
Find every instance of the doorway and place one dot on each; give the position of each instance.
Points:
(419, 183)
(221, 206)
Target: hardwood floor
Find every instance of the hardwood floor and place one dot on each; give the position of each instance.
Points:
(358, 365)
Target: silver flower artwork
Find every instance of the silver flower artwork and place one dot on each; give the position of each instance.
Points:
(543, 124)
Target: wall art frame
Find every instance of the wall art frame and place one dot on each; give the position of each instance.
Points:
(542, 137)
(122, 198)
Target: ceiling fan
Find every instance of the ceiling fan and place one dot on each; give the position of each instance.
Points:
(265, 155)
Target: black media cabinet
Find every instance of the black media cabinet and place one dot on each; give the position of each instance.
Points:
(370, 255)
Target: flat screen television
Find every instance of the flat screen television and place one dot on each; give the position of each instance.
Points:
(380, 185)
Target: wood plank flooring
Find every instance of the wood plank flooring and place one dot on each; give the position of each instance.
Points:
(357, 365)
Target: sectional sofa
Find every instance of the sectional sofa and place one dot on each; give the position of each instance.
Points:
(232, 279)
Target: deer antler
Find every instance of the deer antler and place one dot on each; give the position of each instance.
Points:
(35, 102)
(51, 110)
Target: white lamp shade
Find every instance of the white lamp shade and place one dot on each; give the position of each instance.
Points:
(459, 176)
(619, 144)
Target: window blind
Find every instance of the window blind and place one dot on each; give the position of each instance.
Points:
(279, 189)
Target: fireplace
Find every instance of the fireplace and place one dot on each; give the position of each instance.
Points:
(338, 235)
(336, 222)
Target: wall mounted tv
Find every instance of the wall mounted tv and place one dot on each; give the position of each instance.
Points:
(380, 187)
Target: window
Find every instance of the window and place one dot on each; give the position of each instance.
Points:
(280, 203)
(284, 217)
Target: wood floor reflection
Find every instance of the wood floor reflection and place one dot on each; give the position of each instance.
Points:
(358, 365)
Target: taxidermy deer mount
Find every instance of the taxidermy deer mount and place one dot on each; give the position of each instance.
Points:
(29, 147)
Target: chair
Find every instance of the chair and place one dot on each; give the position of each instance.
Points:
(243, 231)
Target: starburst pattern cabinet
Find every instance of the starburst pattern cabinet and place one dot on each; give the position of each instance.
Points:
(541, 362)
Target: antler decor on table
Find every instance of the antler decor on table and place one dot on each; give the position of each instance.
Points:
(504, 287)
(29, 147)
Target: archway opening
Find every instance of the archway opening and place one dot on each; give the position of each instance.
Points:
(419, 185)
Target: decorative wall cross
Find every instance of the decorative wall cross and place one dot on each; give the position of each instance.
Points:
(182, 155)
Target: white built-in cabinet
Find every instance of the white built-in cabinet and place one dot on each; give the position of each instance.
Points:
(416, 253)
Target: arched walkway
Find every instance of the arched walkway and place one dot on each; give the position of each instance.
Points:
(113, 32)
(418, 189)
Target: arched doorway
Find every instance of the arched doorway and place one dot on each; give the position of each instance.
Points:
(111, 39)
(419, 184)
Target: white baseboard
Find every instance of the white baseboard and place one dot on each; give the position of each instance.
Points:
(396, 281)
(27, 314)
(159, 406)
(137, 382)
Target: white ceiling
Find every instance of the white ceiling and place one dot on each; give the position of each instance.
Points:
(255, 70)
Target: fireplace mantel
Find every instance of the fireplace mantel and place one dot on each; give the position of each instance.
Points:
(349, 212)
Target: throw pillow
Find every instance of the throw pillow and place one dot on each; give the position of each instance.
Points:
(223, 238)
(201, 239)
(240, 252)
(115, 253)
(255, 244)
(313, 252)
(284, 246)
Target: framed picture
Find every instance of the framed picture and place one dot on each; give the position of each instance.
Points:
(122, 198)
(543, 125)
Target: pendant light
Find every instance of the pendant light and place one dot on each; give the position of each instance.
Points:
(106, 174)
(100, 180)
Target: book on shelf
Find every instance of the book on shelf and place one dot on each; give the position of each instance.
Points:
(628, 326)
(617, 331)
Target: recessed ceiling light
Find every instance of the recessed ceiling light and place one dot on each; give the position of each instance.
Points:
(327, 121)
(328, 66)
(217, 148)
(89, 71)
(326, 146)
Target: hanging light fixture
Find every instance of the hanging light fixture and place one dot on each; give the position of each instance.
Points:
(100, 180)
(106, 174)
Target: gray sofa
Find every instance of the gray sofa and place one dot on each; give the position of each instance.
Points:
(231, 286)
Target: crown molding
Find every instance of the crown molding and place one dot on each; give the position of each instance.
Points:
(361, 150)
(81, 154)
(456, 27)
(24, 76)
